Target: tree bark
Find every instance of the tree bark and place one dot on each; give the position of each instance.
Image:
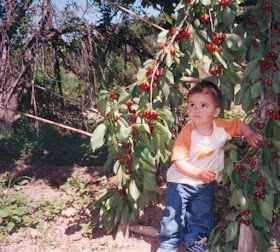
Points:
(246, 240)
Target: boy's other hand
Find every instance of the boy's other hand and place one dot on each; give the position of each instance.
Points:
(207, 176)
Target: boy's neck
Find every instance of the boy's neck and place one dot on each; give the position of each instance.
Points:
(204, 130)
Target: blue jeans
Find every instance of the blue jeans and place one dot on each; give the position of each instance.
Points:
(190, 205)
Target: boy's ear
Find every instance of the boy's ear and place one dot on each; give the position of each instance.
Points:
(217, 112)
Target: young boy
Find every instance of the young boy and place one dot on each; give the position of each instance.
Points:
(197, 158)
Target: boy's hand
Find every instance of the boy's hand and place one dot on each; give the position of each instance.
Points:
(207, 176)
(254, 139)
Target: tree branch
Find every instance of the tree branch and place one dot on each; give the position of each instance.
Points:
(135, 15)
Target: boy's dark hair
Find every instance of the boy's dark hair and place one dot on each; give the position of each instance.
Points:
(207, 87)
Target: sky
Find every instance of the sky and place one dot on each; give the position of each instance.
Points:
(93, 16)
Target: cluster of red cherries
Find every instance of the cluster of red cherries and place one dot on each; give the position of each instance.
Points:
(113, 96)
(218, 39)
(151, 116)
(183, 34)
(212, 48)
(274, 114)
(203, 19)
(252, 21)
(122, 191)
(225, 3)
(217, 71)
(244, 219)
(157, 74)
(266, 7)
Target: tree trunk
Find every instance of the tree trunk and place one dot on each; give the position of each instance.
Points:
(246, 240)
(122, 232)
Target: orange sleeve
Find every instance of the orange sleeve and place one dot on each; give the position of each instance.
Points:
(182, 145)
(232, 127)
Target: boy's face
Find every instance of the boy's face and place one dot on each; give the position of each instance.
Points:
(202, 109)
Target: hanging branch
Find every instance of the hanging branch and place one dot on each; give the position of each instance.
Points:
(48, 121)
(179, 28)
(135, 15)
(58, 95)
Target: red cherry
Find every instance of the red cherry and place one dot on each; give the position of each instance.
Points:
(116, 118)
(247, 212)
(269, 144)
(173, 52)
(247, 223)
(127, 171)
(127, 151)
(261, 125)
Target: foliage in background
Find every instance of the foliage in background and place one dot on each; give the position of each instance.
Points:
(47, 145)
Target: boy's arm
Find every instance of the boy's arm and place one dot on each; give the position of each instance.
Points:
(205, 175)
(252, 138)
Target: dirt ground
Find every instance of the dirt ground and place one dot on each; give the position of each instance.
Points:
(63, 234)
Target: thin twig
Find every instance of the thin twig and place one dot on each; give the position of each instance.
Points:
(58, 95)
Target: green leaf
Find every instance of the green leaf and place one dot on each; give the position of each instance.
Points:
(256, 90)
(198, 45)
(220, 59)
(102, 106)
(162, 36)
(133, 190)
(169, 76)
(168, 59)
(262, 240)
(123, 132)
(228, 16)
(236, 177)
(10, 226)
(232, 231)
(267, 206)
(141, 75)
(275, 87)
(233, 155)
(258, 219)
(175, 99)
(97, 139)
(277, 144)
(206, 2)
(150, 182)
(250, 67)
(234, 42)
(249, 187)
(266, 155)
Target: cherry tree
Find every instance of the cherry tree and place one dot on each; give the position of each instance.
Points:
(236, 47)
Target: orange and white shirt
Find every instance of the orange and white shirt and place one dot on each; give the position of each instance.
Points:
(202, 151)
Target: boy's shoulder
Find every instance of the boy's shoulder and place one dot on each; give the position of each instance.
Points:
(225, 122)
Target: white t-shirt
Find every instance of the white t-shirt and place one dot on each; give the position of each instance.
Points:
(202, 151)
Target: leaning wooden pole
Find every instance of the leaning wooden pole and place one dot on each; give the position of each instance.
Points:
(49, 122)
